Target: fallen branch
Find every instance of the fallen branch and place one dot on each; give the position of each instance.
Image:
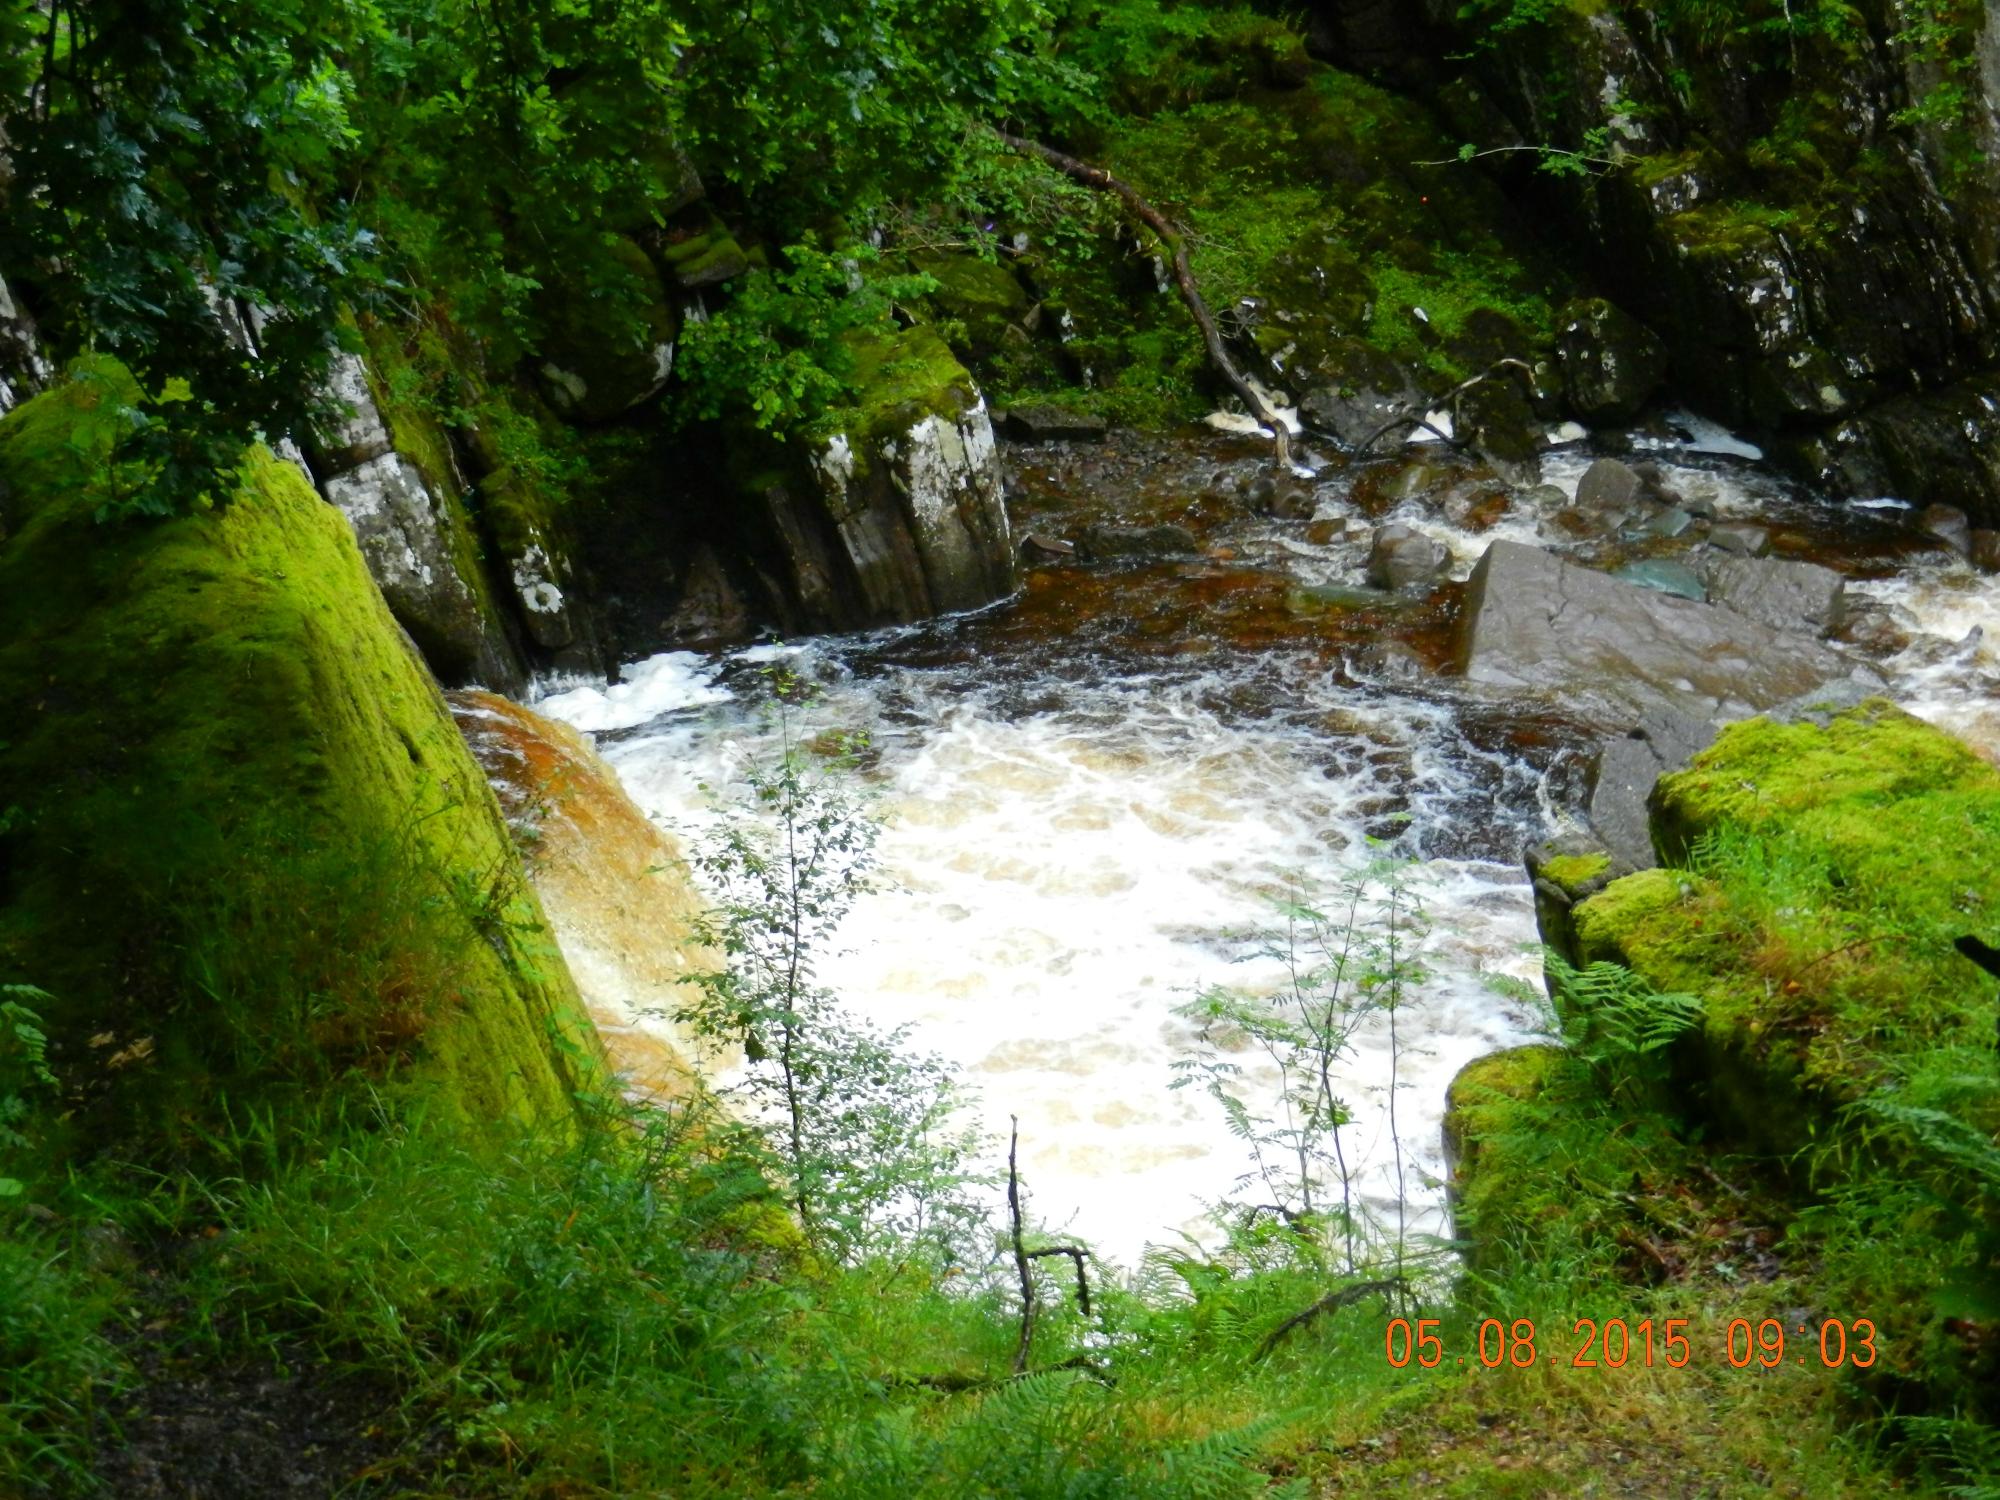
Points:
(1023, 1256)
(955, 1384)
(1333, 1301)
(1174, 241)
(1606, 162)
(1417, 416)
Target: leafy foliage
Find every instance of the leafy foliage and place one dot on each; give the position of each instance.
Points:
(1612, 1018)
(1345, 960)
(172, 166)
(24, 1071)
(783, 345)
(864, 1128)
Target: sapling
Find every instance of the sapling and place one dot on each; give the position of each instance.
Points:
(866, 1130)
(1344, 960)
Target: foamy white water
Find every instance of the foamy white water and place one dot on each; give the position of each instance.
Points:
(1071, 859)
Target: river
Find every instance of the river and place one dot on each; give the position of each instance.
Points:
(1093, 791)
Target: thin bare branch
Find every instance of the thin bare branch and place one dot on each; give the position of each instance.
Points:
(1333, 1301)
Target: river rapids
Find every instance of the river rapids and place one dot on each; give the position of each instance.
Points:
(1092, 793)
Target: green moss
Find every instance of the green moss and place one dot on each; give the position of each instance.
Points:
(249, 851)
(704, 258)
(982, 298)
(899, 379)
(1762, 775)
(1572, 870)
(1817, 920)
(1549, 1179)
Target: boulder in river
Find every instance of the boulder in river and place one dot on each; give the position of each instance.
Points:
(1986, 551)
(1612, 650)
(1355, 390)
(1623, 773)
(1740, 538)
(1106, 543)
(1611, 361)
(1610, 484)
(1949, 525)
(1401, 556)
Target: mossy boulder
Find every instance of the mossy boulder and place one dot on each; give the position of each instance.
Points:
(244, 847)
(701, 255)
(1564, 871)
(981, 299)
(1611, 362)
(1834, 864)
(1489, 1187)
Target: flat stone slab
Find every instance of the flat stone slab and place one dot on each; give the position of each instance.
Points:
(1533, 622)
(1052, 424)
(1786, 592)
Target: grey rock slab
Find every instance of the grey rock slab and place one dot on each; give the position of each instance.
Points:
(1622, 777)
(1612, 651)
(1784, 592)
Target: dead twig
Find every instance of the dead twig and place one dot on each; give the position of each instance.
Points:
(1020, 1251)
(1333, 1301)
(1023, 1256)
(1418, 416)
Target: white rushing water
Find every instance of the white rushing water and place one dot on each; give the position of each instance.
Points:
(1072, 857)
(1075, 847)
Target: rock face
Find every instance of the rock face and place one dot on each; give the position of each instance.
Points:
(419, 542)
(24, 369)
(1624, 772)
(1352, 391)
(293, 867)
(598, 360)
(901, 516)
(1847, 295)
(1612, 650)
(1611, 363)
(621, 903)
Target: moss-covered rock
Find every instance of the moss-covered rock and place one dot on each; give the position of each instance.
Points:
(983, 300)
(703, 255)
(523, 464)
(1833, 864)
(899, 515)
(1544, 1178)
(244, 847)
